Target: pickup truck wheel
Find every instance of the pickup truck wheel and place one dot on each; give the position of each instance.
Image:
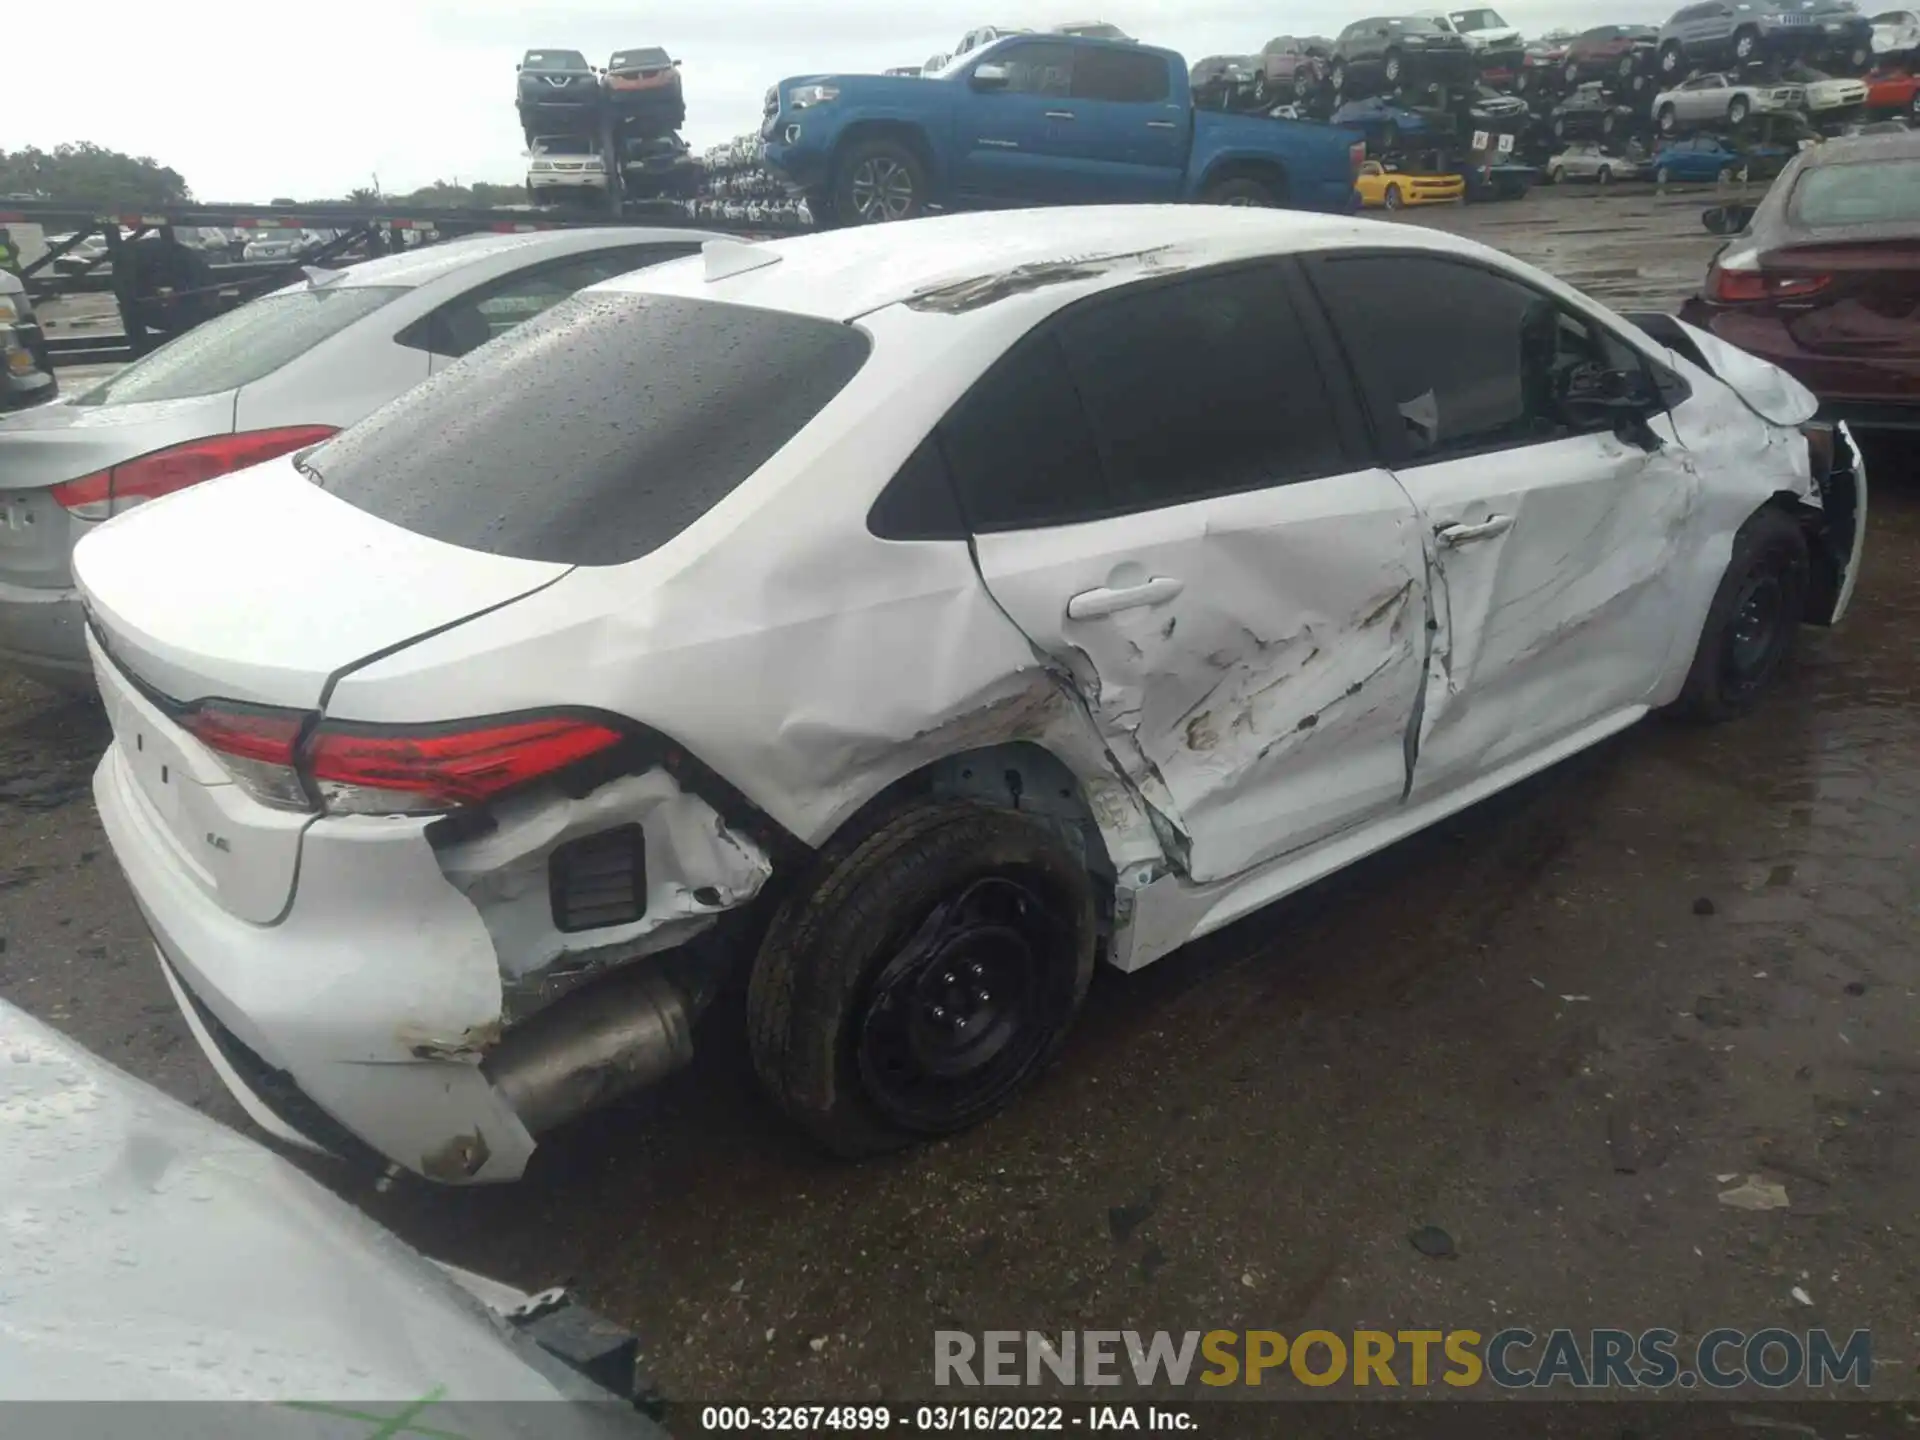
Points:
(922, 977)
(1744, 44)
(1392, 71)
(878, 181)
(1752, 622)
(1240, 191)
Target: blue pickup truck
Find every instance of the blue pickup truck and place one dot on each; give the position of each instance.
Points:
(1041, 120)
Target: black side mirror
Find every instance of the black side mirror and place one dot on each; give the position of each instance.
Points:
(1590, 398)
(1727, 219)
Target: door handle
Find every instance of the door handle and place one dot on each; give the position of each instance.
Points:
(1002, 144)
(1161, 125)
(1453, 535)
(1095, 604)
(1060, 115)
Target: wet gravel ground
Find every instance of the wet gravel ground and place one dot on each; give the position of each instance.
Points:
(1556, 1029)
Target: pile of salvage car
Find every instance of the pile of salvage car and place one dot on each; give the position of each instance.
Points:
(577, 117)
(1719, 92)
(1461, 103)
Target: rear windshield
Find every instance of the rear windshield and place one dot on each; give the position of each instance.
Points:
(596, 433)
(242, 345)
(1888, 192)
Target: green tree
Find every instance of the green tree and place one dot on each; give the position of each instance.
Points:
(90, 175)
(482, 195)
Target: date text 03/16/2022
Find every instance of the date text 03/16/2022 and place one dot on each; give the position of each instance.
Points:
(944, 1419)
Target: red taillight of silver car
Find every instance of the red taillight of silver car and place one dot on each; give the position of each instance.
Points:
(110, 492)
(292, 761)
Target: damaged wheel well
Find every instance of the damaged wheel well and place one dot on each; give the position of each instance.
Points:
(1017, 775)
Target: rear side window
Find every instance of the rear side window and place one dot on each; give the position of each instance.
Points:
(1201, 387)
(1018, 444)
(1123, 75)
(596, 433)
(242, 345)
(463, 325)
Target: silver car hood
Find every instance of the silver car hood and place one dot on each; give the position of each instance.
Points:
(153, 1254)
(63, 441)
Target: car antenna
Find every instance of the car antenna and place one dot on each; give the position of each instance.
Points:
(726, 258)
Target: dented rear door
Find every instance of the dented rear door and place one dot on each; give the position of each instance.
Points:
(1166, 502)
(1552, 543)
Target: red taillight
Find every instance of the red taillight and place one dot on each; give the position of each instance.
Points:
(1737, 287)
(388, 769)
(109, 492)
(258, 746)
(382, 769)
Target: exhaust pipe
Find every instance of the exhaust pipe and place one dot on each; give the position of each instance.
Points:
(590, 1047)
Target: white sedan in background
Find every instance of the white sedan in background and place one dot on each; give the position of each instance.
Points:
(1717, 98)
(1895, 32)
(917, 616)
(277, 374)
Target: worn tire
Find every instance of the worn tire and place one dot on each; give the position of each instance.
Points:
(1394, 199)
(1737, 110)
(832, 938)
(1240, 190)
(1668, 121)
(879, 154)
(1770, 549)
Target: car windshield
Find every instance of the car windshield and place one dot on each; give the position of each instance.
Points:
(1418, 25)
(563, 145)
(638, 59)
(242, 345)
(1875, 194)
(596, 433)
(1477, 20)
(554, 60)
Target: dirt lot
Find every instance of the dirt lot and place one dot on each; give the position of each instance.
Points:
(1551, 1029)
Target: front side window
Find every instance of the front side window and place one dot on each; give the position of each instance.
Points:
(1037, 68)
(1456, 360)
(244, 345)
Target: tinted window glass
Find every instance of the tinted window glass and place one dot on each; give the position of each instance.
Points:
(1858, 194)
(1456, 358)
(464, 325)
(1036, 69)
(555, 60)
(597, 432)
(1018, 445)
(1200, 388)
(1125, 75)
(242, 345)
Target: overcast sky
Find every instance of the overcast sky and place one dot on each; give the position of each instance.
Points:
(258, 99)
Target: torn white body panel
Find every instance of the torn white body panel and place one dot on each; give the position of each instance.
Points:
(1555, 567)
(695, 869)
(1254, 658)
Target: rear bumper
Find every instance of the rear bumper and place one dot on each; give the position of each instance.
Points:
(376, 960)
(43, 635)
(1870, 393)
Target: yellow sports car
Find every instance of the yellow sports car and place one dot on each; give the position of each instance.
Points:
(1381, 187)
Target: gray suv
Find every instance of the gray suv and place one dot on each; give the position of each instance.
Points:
(1738, 32)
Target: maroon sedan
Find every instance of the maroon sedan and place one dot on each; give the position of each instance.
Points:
(1609, 52)
(1825, 279)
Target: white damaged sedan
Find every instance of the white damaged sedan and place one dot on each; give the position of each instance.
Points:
(918, 615)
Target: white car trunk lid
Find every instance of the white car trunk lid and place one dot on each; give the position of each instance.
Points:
(257, 588)
(261, 587)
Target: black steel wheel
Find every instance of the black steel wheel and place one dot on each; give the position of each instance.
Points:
(1751, 625)
(922, 976)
